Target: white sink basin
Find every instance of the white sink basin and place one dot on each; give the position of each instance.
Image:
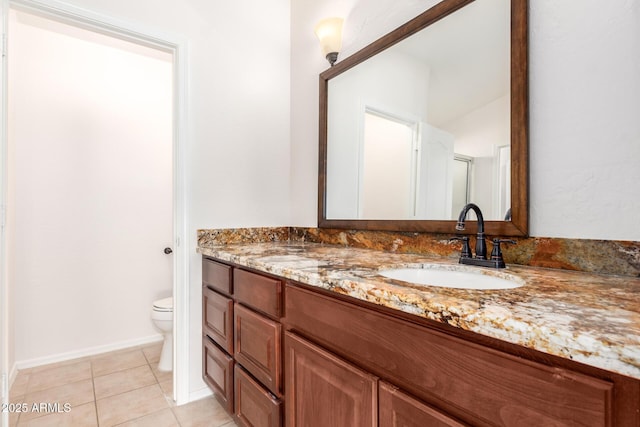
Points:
(458, 278)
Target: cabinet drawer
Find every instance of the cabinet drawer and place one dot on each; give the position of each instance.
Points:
(476, 384)
(258, 347)
(255, 406)
(217, 369)
(217, 276)
(217, 318)
(398, 409)
(324, 390)
(259, 292)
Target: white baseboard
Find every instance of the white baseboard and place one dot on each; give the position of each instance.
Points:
(91, 351)
(199, 394)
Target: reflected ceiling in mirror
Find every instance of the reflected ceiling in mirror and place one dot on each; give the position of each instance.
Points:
(429, 118)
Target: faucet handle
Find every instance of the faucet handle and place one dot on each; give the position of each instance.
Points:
(466, 250)
(496, 253)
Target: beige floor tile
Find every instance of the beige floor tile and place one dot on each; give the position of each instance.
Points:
(15, 413)
(83, 415)
(123, 381)
(164, 418)
(152, 353)
(19, 386)
(58, 375)
(202, 413)
(74, 394)
(161, 376)
(117, 361)
(130, 405)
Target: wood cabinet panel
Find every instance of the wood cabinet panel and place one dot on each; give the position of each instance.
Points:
(255, 406)
(259, 292)
(258, 347)
(217, 314)
(398, 409)
(217, 368)
(478, 385)
(323, 390)
(217, 276)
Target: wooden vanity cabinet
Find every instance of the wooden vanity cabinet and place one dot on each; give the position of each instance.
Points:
(428, 376)
(256, 407)
(217, 372)
(242, 342)
(306, 357)
(263, 294)
(218, 318)
(217, 276)
(258, 348)
(217, 330)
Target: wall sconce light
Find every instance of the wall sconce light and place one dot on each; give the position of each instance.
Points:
(329, 32)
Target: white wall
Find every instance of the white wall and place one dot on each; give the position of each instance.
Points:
(90, 125)
(481, 130)
(584, 109)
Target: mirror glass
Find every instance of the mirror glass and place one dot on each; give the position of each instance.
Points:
(423, 126)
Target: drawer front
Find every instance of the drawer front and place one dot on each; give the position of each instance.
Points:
(324, 390)
(477, 385)
(218, 373)
(258, 347)
(255, 406)
(259, 292)
(217, 276)
(398, 409)
(217, 318)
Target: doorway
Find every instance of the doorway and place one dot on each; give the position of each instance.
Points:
(99, 164)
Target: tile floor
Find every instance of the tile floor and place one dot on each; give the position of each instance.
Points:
(121, 388)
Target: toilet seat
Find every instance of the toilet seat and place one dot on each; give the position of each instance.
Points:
(164, 305)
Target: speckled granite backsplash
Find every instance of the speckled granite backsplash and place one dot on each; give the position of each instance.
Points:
(593, 256)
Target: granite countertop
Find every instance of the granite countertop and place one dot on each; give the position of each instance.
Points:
(593, 319)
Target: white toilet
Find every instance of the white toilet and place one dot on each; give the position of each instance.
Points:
(162, 316)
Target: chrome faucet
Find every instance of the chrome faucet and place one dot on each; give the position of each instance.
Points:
(480, 258)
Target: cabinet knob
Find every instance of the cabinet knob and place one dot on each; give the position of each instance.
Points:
(167, 251)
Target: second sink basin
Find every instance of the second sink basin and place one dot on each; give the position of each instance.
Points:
(458, 278)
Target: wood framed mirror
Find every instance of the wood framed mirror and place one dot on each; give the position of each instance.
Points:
(430, 117)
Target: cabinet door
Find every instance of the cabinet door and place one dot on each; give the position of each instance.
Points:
(217, 319)
(217, 372)
(323, 390)
(255, 406)
(398, 409)
(258, 347)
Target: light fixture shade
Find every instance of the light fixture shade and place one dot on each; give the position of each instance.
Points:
(329, 32)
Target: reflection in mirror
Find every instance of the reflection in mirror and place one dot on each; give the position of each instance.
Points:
(388, 170)
(462, 167)
(415, 127)
(398, 121)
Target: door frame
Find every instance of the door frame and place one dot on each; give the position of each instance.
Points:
(150, 37)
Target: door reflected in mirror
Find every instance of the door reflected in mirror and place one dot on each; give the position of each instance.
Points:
(388, 169)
